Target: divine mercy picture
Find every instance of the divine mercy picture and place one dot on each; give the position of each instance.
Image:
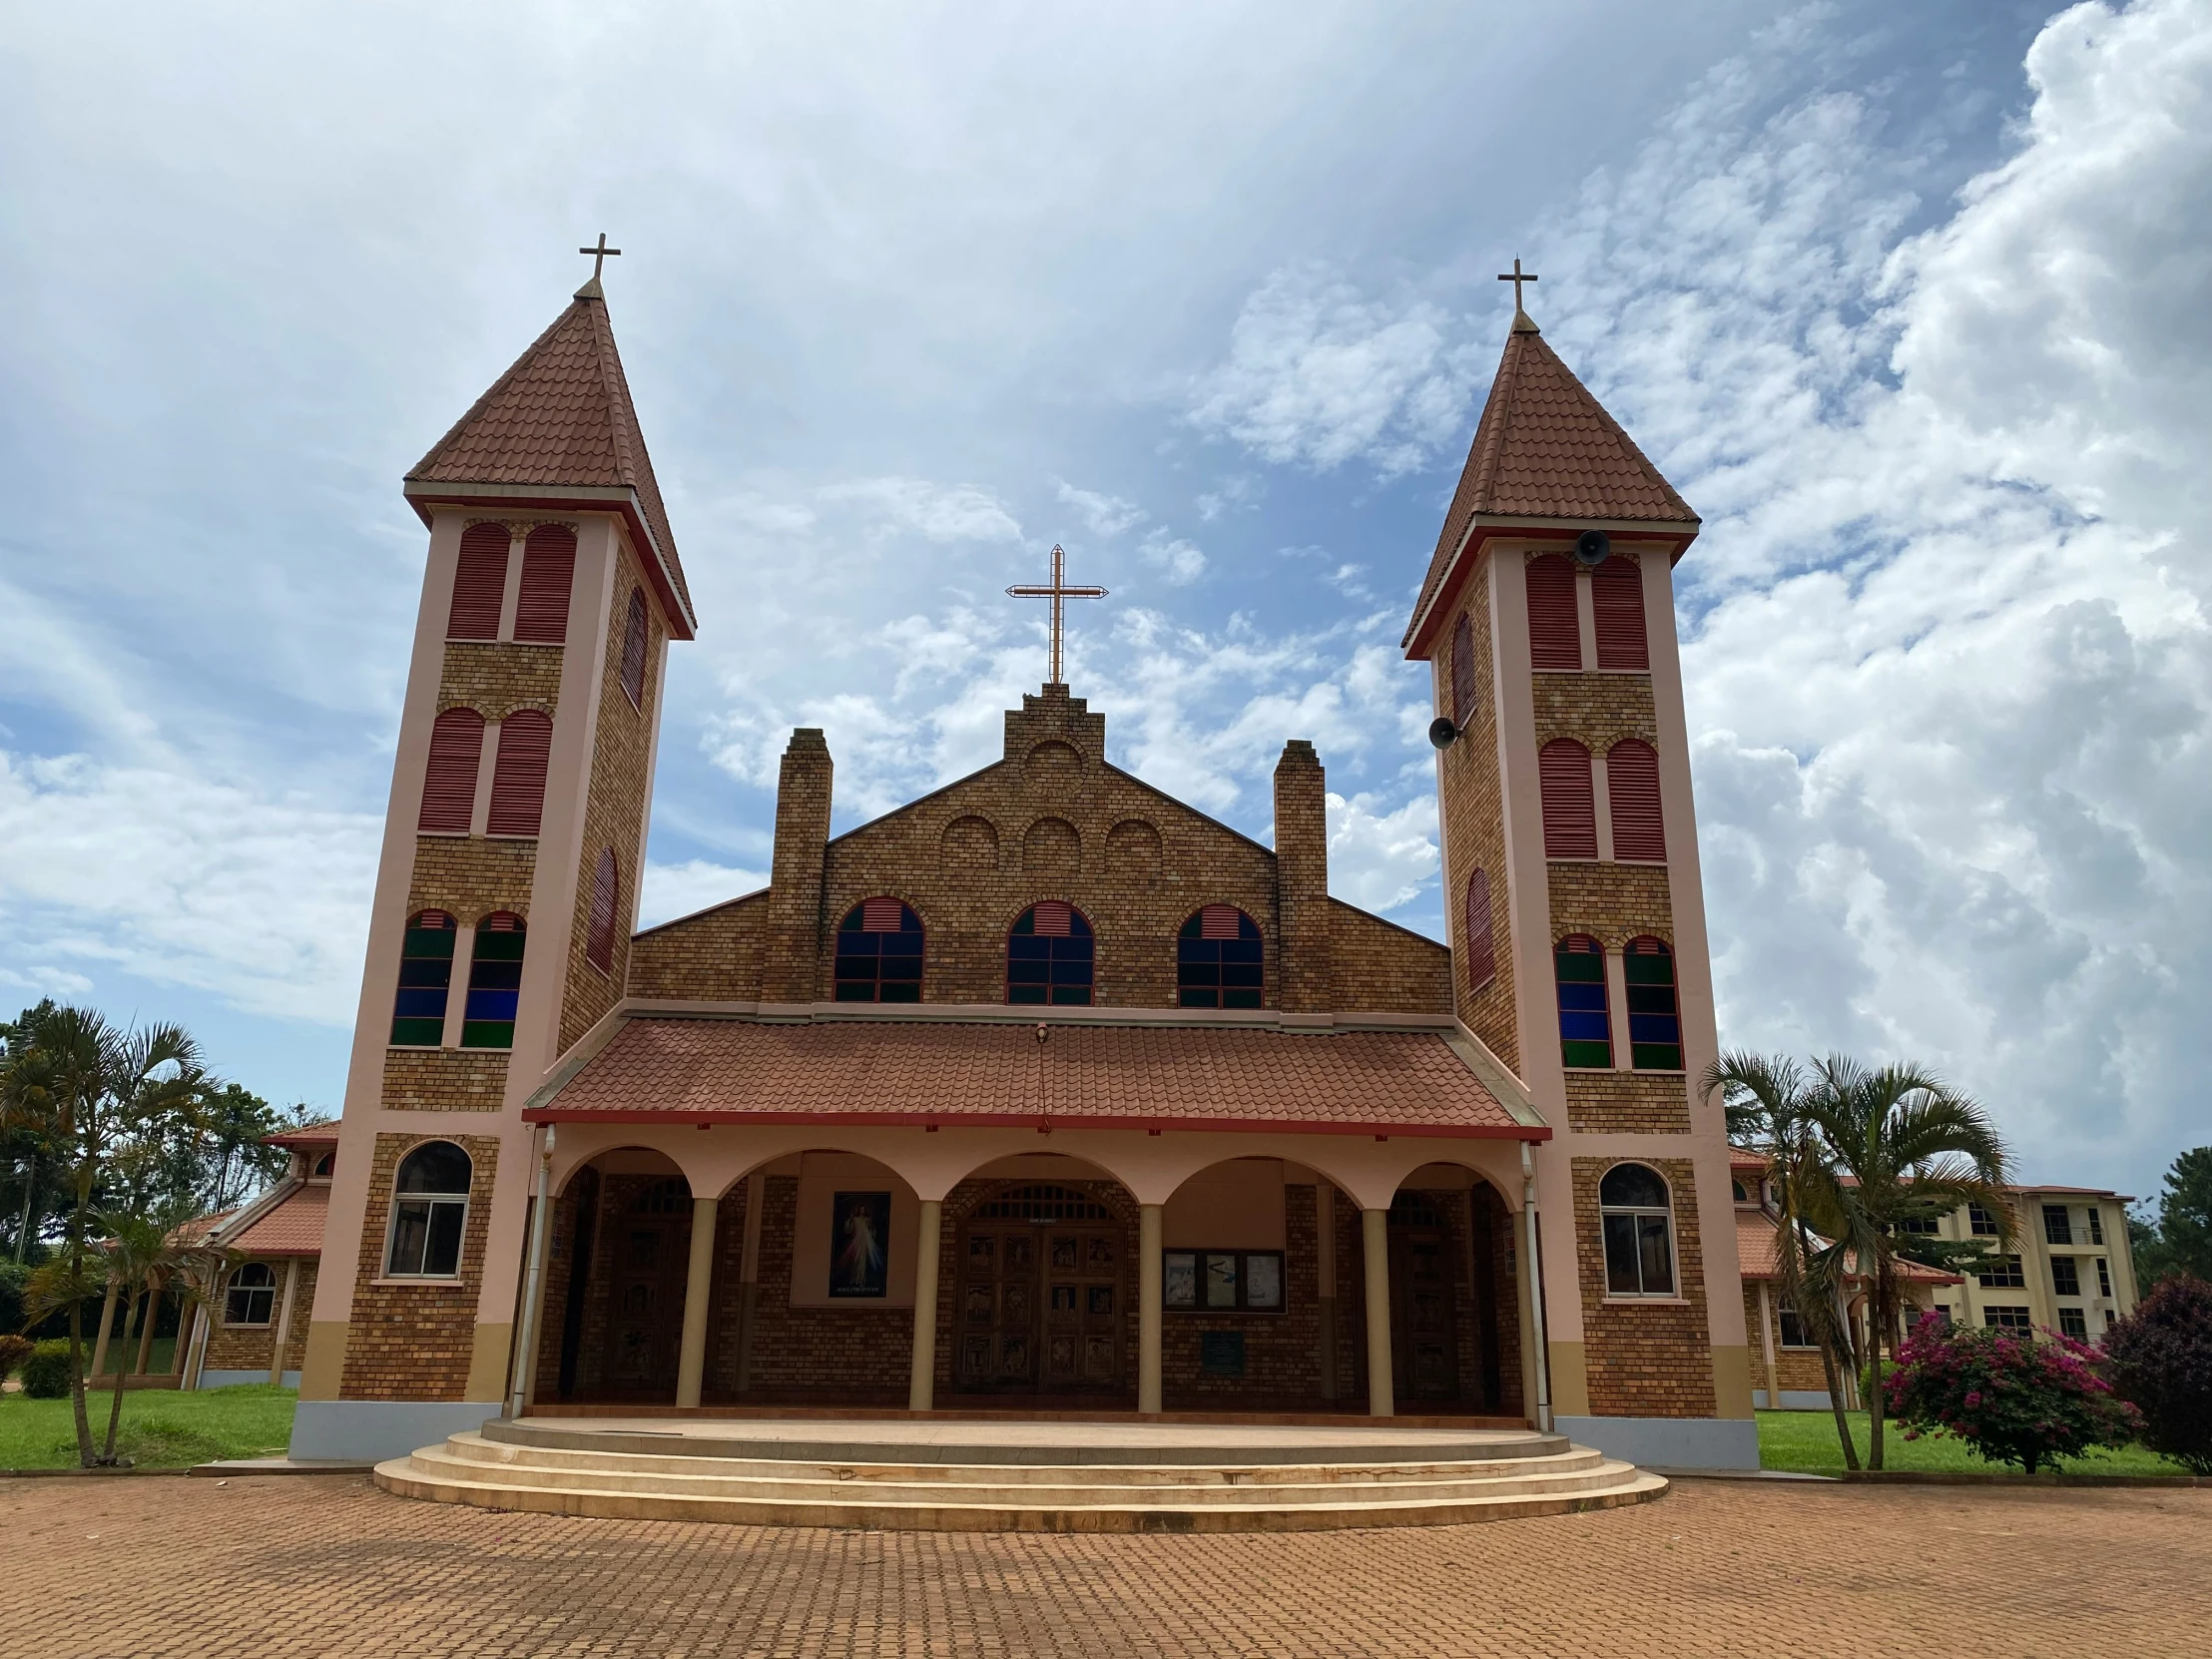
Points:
(859, 1234)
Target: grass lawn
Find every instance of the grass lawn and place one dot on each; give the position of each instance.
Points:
(161, 1429)
(124, 1355)
(1805, 1442)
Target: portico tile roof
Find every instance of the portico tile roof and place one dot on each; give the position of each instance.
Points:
(997, 1074)
(290, 1227)
(1755, 1253)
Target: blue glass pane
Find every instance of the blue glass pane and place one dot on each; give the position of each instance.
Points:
(494, 976)
(427, 971)
(1588, 997)
(1023, 947)
(1026, 973)
(491, 1004)
(420, 1004)
(1582, 1027)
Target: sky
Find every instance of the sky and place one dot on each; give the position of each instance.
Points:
(1908, 300)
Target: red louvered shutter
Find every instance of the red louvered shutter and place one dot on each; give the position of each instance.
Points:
(1570, 802)
(1218, 922)
(449, 783)
(1053, 919)
(881, 916)
(1632, 791)
(599, 941)
(1462, 673)
(548, 573)
(1480, 947)
(632, 651)
(1554, 631)
(518, 776)
(1617, 607)
(479, 583)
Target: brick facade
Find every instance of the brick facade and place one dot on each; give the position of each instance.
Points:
(413, 1339)
(250, 1347)
(711, 957)
(1799, 1368)
(444, 1079)
(1645, 1358)
(472, 875)
(1628, 1102)
(1471, 786)
(1612, 902)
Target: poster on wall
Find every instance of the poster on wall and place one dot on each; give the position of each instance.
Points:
(859, 1244)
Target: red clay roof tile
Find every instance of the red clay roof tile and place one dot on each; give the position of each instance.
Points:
(291, 1226)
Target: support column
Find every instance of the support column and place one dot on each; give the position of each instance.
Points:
(1325, 1228)
(699, 1287)
(147, 1322)
(1533, 1245)
(1375, 1236)
(921, 1386)
(283, 1322)
(100, 1344)
(523, 1381)
(1148, 1306)
(748, 1274)
(1766, 1341)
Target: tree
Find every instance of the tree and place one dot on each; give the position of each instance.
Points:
(2012, 1398)
(92, 1091)
(2182, 1240)
(2160, 1358)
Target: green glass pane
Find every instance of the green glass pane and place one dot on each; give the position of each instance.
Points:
(1587, 1057)
(1654, 1057)
(500, 947)
(417, 1033)
(428, 941)
(1650, 970)
(1577, 968)
(489, 1033)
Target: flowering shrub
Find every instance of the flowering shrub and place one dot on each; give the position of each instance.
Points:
(2013, 1397)
(2162, 1361)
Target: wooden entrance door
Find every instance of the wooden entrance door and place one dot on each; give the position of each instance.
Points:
(645, 1310)
(1424, 1352)
(1043, 1294)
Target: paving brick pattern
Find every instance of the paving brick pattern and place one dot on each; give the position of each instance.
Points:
(145, 1569)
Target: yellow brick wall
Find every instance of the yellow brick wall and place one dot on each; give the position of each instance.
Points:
(1645, 1358)
(414, 1340)
(1472, 791)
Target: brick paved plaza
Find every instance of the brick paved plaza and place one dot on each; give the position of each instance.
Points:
(144, 1568)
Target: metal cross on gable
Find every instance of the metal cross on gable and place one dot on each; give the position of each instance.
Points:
(600, 254)
(1516, 278)
(1058, 592)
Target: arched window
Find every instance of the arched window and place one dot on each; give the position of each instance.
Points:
(1617, 608)
(449, 783)
(1554, 629)
(252, 1294)
(1478, 945)
(1048, 956)
(1570, 800)
(1585, 1031)
(429, 1210)
(1654, 1014)
(880, 953)
(599, 937)
(1462, 673)
(1218, 960)
(548, 573)
(425, 976)
(1632, 795)
(323, 1164)
(494, 982)
(632, 651)
(1639, 1231)
(479, 583)
(518, 775)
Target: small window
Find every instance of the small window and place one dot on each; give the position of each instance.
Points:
(1585, 1031)
(2104, 1280)
(1554, 629)
(1570, 800)
(1222, 1281)
(1218, 960)
(2057, 1226)
(633, 650)
(1738, 1190)
(450, 782)
(1654, 1014)
(518, 775)
(1049, 956)
(548, 573)
(1980, 1223)
(1632, 798)
(429, 1209)
(2074, 1322)
(599, 936)
(1794, 1333)
(2065, 1277)
(2096, 1223)
(1639, 1231)
(880, 953)
(479, 583)
(2001, 1273)
(1617, 609)
(1480, 942)
(323, 1164)
(425, 976)
(252, 1294)
(1462, 673)
(2008, 1318)
(1920, 1227)
(494, 982)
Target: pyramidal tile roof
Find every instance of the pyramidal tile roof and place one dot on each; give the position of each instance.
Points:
(561, 418)
(1547, 449)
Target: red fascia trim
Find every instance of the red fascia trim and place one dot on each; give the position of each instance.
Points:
(1418, 647)
(641, 537)
(1003, 1120)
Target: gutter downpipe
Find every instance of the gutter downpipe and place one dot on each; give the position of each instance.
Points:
(533, 1289)
(1537, 1291)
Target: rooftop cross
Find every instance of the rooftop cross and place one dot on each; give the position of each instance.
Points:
(1515, 276)
(602, 253)
(1058, 592)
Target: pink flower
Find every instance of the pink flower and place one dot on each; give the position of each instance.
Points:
(1973, 1399)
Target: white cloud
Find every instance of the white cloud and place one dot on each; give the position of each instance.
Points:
(937, 512)
(1102, 515)
(1177, 560)
(1381, 856)
(672, 891)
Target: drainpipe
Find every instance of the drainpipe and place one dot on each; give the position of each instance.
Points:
(1536, 1289)
(533, 1290)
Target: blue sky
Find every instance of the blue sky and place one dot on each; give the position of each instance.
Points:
(1908, 301)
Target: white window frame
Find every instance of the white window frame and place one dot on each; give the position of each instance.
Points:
(232, 1283)
(1674, 1237)
(391, 1219)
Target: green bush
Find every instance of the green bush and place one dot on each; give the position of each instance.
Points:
(46, 1371)
(13, 1278)
(14, 1351)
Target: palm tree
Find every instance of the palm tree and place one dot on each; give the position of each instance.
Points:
(144, 1254)
(1898, 1144)
(1768, 1101)
(89, 1089)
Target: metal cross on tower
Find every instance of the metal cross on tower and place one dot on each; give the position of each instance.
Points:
(1058, 592)
(1516, 278)
(600, 254)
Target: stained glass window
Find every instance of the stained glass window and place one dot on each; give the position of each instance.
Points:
(1585, 1032)
(1049, 956)
(425, 976)
(494, 982)
(1654, 1014)
(880, 953)
(1218, 960)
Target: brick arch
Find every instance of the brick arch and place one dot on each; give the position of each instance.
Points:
(1051, 845)
(1613, 936)
(514, 702)
(1133, 847)
(1053, 764)
(968, 843)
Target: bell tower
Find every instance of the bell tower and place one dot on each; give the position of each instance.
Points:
(506, 893)
(1573, 898)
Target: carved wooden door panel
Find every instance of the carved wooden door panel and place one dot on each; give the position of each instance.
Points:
(1083, 1308)
(1425, 1356)
(998, 1307)
(644, 1322)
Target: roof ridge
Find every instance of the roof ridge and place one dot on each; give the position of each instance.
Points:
(430, 456)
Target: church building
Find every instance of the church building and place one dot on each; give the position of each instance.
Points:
(1044, 1094)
